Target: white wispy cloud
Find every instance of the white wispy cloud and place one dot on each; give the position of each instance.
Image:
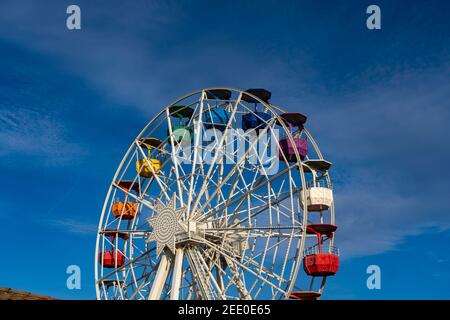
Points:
(126, 52)
(73, 226)
(34, 133)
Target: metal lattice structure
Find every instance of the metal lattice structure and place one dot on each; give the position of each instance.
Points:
(219, 222)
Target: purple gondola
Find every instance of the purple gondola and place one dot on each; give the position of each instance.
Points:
(288, 147)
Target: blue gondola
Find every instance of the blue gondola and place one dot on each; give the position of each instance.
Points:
(257, 120)
(216, 118)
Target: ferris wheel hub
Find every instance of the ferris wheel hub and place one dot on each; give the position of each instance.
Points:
(166, 225)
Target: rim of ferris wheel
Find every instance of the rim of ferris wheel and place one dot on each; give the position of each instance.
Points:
(305, 295)
(243, 234)
(129, 185)
(316, 165)
(263, 94)
(221, 94)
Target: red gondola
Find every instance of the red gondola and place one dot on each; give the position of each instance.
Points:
(318, 262)
(108, 259)
(321, 264)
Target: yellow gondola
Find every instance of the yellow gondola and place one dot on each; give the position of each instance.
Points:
(147, 167)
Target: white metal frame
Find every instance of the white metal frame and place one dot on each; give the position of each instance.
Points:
(253, 226)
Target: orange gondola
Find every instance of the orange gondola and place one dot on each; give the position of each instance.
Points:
(126, 210)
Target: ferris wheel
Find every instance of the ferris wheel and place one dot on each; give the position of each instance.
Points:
(222, 195)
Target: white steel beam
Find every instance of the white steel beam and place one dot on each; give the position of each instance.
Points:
(160, 278)
(176, 275)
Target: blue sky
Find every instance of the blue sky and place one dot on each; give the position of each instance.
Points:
(377, 102)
